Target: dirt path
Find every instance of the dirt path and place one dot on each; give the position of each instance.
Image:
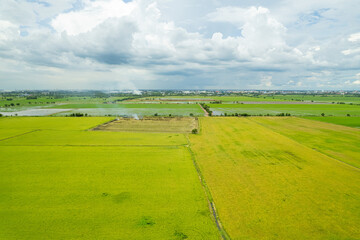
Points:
(206, 114)
(224, 235)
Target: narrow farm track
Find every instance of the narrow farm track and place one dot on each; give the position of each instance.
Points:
(206, 114)
(224, 235)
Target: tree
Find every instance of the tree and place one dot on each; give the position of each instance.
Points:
(194, 131)
(323, 114)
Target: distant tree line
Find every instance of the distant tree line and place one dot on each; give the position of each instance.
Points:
(78, 115)
(250, 115)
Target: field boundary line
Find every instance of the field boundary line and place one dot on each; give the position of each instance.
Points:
(224, 235)
(53, 114)
(351, 128)
(18, 135)
(72, 145)
(97, 126)
(313, 149)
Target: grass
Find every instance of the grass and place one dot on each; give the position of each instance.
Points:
(171, 125)
(293, 109)
(268, 186)
(96, 188)
(346, 121)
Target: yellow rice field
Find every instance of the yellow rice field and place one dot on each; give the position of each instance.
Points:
(268, 186)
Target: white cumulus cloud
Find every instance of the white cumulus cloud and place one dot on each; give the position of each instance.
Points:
(177, 43)
(93, 14)
(354, 37)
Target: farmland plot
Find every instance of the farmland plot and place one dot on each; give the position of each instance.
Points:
(152, 124)
(268, 186)
(66, 183)
(346, 121)
(293, 109)
(133, 109)
(338, 142)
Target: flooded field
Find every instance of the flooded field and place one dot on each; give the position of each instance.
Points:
(34, 112)
(130, 112)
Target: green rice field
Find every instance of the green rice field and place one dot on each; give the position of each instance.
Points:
(293, 109)
(120, 178)
(318, 98)
(336, 141)
(346, 121)
(61, 181)
(210, 98)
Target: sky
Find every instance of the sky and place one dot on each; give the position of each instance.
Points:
(180, 44)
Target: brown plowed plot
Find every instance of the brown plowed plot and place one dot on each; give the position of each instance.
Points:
(158, 124)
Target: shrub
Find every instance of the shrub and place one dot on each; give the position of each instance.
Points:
(76, 115)
(194, 131)
(146, 221)
(180, 235)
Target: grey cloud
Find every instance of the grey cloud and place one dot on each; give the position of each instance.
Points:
(149, 49)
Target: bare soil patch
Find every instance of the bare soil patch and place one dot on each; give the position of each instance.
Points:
(151, 124)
